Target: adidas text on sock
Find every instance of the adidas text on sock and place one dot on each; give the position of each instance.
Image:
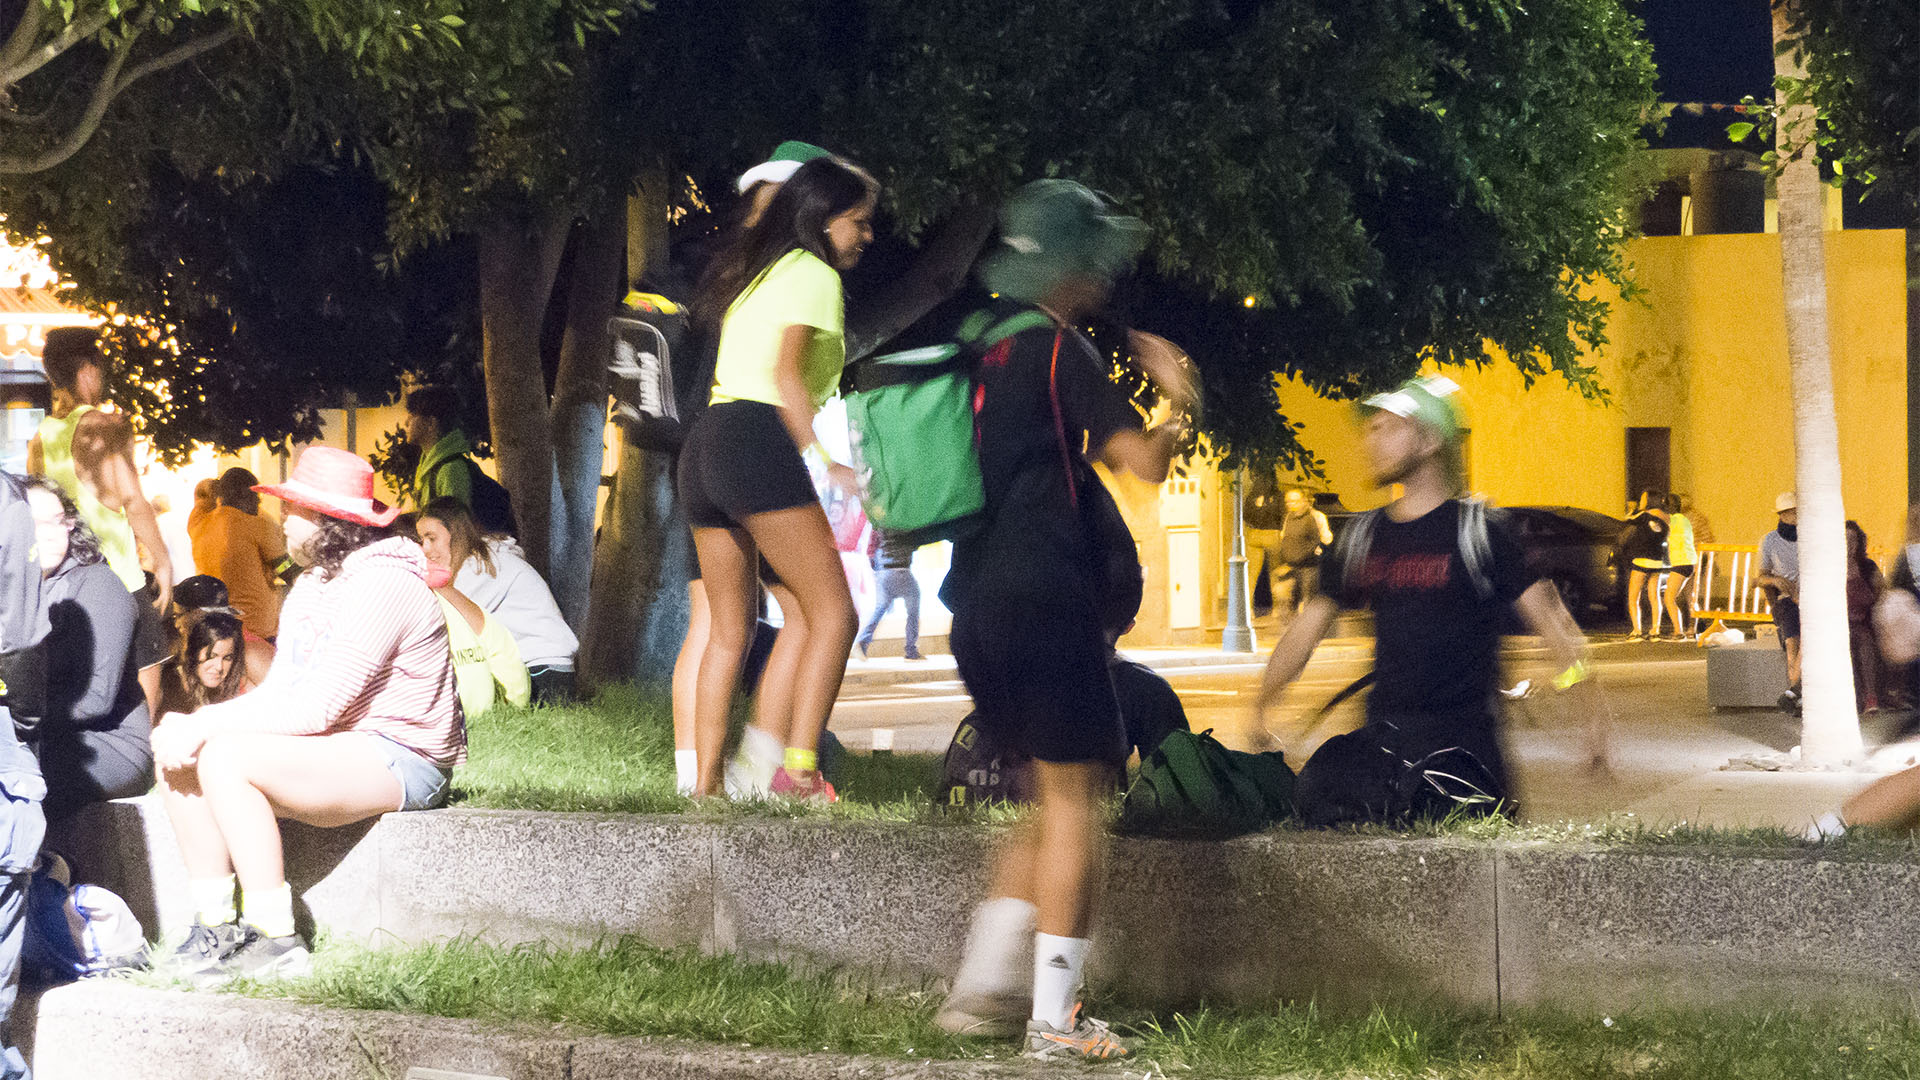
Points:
(1058, 963)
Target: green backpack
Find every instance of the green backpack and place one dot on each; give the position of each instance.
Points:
(910, 420)
(1192, 786)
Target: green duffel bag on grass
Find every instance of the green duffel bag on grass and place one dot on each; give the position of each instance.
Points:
(1192, 786)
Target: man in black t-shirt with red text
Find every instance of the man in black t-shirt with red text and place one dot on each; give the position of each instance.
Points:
(1439, 574)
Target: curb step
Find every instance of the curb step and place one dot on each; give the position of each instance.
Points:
(112, 1030)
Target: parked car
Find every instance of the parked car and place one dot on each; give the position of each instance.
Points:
(1577, 550)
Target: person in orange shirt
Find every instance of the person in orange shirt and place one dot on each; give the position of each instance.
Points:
(241, 548)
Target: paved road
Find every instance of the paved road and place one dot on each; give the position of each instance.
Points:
(1670, 748)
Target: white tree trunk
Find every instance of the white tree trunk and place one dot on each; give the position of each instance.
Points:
(1830, 727)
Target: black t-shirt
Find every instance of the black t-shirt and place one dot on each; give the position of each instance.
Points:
(1038, 411)
(1645, 537)
(1436, 642)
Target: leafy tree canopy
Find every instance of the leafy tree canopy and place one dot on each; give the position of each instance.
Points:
(1387, 179)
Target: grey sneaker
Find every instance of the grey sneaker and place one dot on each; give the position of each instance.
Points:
(1086, 1039)
(265, 957)
(205, 950)
(984, 1016)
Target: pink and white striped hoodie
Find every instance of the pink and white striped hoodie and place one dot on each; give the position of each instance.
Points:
(363, 650)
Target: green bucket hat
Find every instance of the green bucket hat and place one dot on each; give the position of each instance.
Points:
(1052, 228)
(1430, 401)
(780, 166)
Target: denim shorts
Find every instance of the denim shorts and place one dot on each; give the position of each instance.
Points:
(423, 784)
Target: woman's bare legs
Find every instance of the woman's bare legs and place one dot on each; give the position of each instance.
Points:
(1676, 591)
(798, 544)
(773, 702)
(686, 670)
(1890, 802)
(1636, 585)
(729, 568)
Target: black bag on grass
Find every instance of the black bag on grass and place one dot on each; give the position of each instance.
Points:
(1190, 785)
(978, 770)
(1356, 779)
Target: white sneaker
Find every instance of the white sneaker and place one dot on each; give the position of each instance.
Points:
(984, 1016)
(750, 773)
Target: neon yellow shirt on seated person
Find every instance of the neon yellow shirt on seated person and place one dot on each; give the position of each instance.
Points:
(797, 290)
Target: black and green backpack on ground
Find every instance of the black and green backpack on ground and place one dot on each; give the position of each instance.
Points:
(1192, 786)
(910, 420)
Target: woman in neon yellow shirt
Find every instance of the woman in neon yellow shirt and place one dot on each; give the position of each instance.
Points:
(775, 294)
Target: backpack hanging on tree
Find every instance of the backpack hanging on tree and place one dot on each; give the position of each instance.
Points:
(910, 420)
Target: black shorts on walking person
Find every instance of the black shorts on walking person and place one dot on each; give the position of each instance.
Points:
(1786, 619)
(739, 461)
(1035, 661)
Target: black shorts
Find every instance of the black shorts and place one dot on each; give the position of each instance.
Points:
(739, 461)
(1786, 617)
(151, 644)
(1035, 662)
(1683, 572)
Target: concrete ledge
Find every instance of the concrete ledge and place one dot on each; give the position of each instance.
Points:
(1608, 929)
(1286, 915)
(113, 1031)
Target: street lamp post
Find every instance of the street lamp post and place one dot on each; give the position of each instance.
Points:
(1237, 637)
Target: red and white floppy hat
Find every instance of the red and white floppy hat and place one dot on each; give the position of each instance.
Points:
(335, 483)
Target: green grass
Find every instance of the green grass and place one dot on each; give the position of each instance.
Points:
(629, 988)
(615, 755)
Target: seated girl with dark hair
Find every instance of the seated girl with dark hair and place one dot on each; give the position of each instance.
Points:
(358, 717)
(210, 665)
(93, 741)
(490, 571)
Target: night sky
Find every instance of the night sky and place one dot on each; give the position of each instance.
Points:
(1708, 51)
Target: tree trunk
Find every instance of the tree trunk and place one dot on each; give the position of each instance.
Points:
(517, 263)
(579, 413)
(639, 612)
(937, 273)
(1830, 726)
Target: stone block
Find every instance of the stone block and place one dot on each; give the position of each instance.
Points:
(1343, 920)
(128, 845)
(1614, 929)
(894, 899)
(112, 1031)
(1751, 675)
(571, 879)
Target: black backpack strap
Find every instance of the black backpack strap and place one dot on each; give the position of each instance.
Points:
(1351, 546)
(1476, 546)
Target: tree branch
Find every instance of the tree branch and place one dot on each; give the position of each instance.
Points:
(111, 84)
(21, 40)
(74, 34)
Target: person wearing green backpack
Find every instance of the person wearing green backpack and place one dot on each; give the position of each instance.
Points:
(1026, 595)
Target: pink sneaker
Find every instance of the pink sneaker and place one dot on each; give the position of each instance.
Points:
(812, 789)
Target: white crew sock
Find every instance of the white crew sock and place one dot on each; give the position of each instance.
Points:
(1827, 826)
(996, 960)
(764, 752)
(686, 770)
(1057, 965)
(212, 900)
(270, 910)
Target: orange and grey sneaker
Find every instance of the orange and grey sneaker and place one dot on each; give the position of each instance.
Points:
(1085, 1039)
(808, 787)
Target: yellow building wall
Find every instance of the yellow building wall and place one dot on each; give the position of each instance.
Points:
(1703, 352)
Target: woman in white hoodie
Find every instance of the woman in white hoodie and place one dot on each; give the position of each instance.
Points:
(490, 571)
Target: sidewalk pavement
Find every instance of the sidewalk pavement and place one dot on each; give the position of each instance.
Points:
(939, 667)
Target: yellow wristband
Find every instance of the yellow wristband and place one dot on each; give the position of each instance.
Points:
(1577, 672)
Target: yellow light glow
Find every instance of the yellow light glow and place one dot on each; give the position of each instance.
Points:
(1249, 301)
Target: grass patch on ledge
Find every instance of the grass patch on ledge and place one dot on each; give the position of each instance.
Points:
(615, 755)
(629, 988)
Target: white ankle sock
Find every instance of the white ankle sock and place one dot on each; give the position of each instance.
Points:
(1057, 966)
(270, 910)
(1827, 825)
(764, 752)
(997, 960)
(686, 770)
(212, 900)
